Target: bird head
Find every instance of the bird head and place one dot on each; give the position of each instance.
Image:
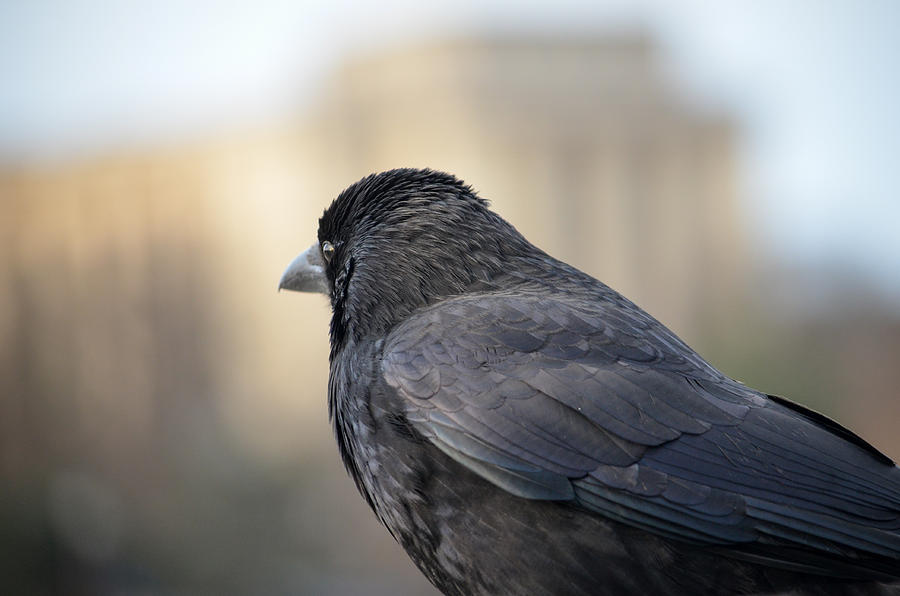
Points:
(397, 241)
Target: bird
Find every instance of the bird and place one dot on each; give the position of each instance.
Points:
(520, 427)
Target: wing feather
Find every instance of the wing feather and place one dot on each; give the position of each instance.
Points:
(552, 398)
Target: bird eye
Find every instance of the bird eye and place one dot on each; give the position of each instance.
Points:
(327, 251)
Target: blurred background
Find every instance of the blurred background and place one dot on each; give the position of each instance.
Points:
(732, 167)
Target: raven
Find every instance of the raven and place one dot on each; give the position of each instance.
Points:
(521, 428)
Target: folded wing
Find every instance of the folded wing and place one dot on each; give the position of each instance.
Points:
(552, 398)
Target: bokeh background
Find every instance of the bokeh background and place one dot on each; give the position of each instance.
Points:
(732, 167)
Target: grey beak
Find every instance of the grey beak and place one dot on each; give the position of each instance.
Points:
(306, 273)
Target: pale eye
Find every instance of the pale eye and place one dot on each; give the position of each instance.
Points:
(327, 251)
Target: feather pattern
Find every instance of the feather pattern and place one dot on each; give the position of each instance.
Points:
(554, 400)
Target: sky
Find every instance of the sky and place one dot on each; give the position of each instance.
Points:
(814, 86)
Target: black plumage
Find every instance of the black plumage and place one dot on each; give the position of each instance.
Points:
(521, 428)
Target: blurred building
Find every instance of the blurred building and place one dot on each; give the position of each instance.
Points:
(132, 271)
(582, 144)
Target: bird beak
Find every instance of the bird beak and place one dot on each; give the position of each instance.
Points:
(306, 273)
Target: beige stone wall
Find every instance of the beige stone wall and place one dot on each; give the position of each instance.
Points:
(117, 263)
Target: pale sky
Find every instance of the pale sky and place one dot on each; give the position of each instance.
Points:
(815, 86)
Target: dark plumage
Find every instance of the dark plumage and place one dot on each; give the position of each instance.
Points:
(521, 428)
